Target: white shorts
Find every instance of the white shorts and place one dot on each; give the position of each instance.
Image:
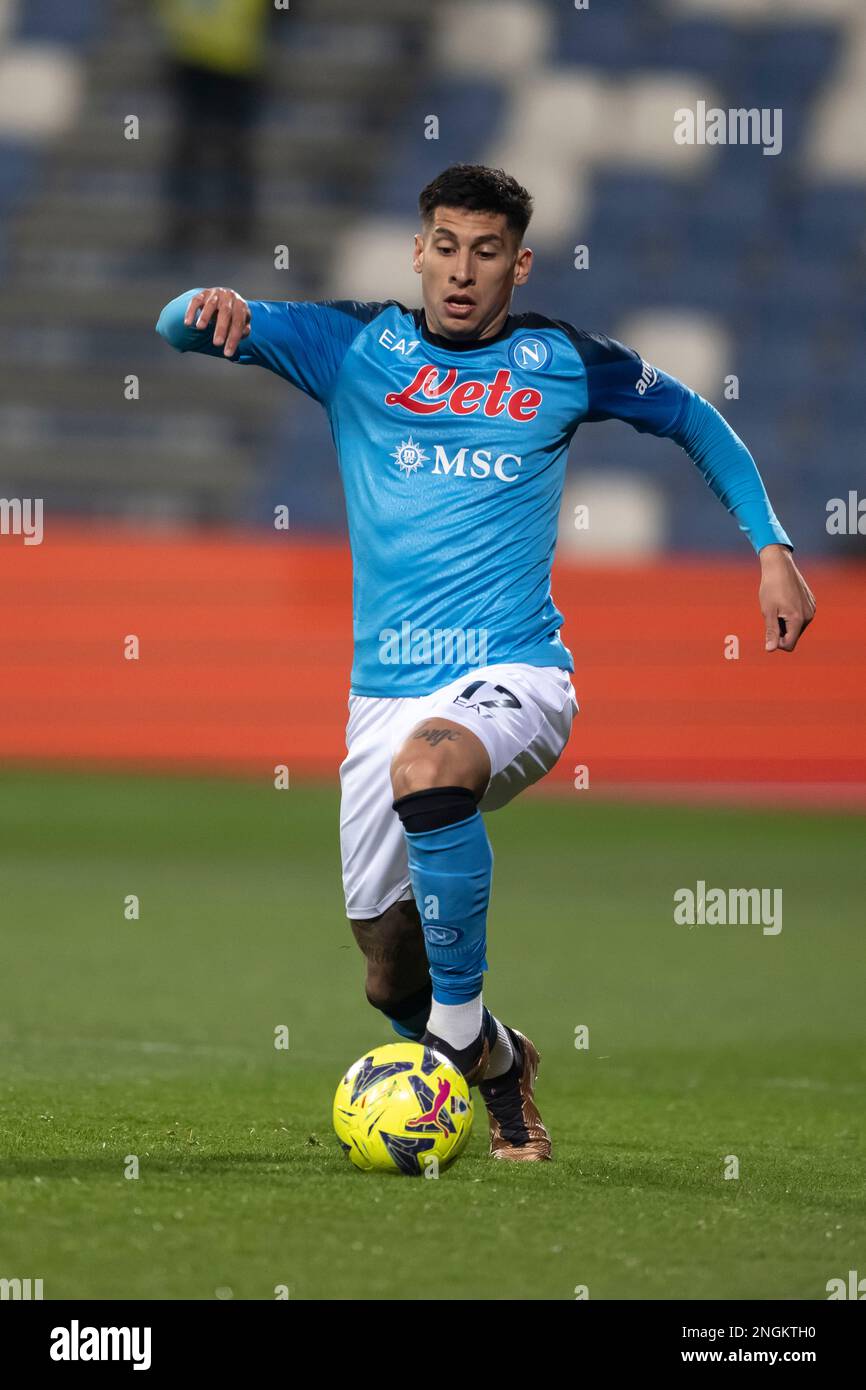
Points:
(523, 716)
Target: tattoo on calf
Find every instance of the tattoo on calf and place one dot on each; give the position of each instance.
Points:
(381, 955)
(436, 736)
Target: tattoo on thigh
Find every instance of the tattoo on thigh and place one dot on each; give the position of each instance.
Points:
(435, 736)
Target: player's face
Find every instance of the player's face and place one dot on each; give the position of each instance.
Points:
(469, 263)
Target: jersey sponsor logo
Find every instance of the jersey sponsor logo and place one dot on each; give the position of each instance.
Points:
(529, 354)
(390, 341)
(481, 464)
(409, 457)
(426, 394)
(648, 377)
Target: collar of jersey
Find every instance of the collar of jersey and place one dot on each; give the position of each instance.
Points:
(467, 344)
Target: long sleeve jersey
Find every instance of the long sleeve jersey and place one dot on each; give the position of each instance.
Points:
(453, 457)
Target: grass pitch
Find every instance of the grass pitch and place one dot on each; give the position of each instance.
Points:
(155, 1038)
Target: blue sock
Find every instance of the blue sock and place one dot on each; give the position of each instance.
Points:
(451, 868)
(409, 1016)
(414, 1030)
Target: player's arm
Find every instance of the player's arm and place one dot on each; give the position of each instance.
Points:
(621, 386)
(303, 342)
(786, 601)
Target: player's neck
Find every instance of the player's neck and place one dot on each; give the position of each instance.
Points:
(500, 327)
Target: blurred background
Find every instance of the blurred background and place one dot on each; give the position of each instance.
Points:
(148, 147)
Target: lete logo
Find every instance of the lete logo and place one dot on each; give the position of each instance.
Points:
(427, 395)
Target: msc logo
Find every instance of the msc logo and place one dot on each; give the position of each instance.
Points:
(409, 457)
(648, 377)
(481, 464)
(529, 354)
(427, 395)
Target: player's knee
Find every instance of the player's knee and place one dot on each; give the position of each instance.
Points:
(412, 771)
(440, 754)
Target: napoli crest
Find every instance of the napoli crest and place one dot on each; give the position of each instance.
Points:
(529, 354)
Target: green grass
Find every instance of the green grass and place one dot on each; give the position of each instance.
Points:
(155, 1038)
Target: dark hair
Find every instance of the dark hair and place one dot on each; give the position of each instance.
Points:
(478, 189)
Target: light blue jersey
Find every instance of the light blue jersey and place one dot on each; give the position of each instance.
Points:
(453, 459)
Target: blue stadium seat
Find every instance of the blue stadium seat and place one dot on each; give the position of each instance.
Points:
(733, 197)
(829, 220)
(614, 36)
(19, 166)
(59, 21)
(470, 114)
(302, 473)
(618, 193)
(703, 46)
(784, 62)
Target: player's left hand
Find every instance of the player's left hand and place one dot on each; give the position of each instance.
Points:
(787, 602)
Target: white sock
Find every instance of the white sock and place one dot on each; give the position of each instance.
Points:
(457, 1024)
(502, 1055)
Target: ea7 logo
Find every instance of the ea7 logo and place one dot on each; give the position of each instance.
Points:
(390, 341)
(648, 377)
(485, 697)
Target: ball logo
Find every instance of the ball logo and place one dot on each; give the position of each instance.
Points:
(432, 1115)
(529, 354)
(427, 395)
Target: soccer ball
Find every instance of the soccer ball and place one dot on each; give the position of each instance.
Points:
(403, 1108)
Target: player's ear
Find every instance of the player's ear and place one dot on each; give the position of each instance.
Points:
(523, 266)
(418, 253)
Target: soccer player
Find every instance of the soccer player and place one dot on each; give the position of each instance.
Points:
(452, 424)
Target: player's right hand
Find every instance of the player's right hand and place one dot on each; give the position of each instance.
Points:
(232, 316)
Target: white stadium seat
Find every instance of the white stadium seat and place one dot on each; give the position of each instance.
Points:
(40, 90)
(508, 39)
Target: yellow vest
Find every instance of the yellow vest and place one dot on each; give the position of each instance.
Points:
(227, 35)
